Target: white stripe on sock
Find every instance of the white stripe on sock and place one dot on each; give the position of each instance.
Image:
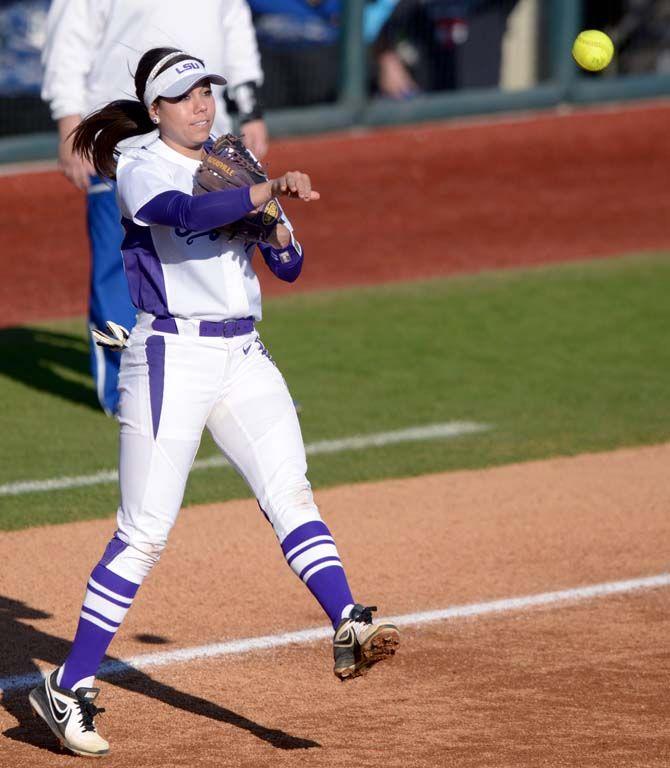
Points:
(110, 611)
(306, 543)
(312, 555)
(320, 567)
(93, 583)
(98, 622)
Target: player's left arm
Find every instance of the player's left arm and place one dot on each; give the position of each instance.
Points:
(283, 254)
(244, 74)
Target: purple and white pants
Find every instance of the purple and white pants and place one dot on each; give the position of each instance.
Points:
(173, 386)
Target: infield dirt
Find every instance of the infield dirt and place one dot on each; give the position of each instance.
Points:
(572, 685)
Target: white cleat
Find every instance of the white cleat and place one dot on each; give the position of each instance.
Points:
(70, 715)
(359, 644)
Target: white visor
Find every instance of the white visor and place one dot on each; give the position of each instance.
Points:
(177, 79)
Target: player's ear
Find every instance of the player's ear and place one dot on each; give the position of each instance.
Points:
(153, 114)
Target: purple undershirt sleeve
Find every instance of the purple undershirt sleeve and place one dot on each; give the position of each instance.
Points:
(199, 213)
(285, 263)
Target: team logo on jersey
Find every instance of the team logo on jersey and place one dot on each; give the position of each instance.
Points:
(270, 212)
(191, 236)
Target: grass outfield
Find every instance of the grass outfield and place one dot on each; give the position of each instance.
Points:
(559, 360)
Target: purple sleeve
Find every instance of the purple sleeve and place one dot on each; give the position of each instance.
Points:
(285, 263)
(199, 213)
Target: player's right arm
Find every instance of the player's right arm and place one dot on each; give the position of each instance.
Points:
(73, 29)
(283, 253)
(150, 198)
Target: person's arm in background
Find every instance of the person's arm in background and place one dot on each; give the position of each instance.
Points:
(67, 59)
(76, 168)
(244, 74)
(394, 79)
(387, 20)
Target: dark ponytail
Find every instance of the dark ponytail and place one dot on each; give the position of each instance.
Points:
(96, 137)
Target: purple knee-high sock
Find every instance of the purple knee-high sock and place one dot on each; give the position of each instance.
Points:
(311, 552)
(108, 598)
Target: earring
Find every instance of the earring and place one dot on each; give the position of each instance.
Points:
(155, 120)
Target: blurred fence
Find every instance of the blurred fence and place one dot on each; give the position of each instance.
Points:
(22, 31)
(373, 62)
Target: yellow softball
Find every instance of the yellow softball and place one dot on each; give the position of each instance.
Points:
(592, 50)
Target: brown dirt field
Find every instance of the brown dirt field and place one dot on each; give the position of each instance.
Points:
(583, 684)
(401, 204)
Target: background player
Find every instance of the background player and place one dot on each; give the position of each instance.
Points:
(92, 49)
(194, 359)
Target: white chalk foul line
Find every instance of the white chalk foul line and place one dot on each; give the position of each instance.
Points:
(305, 636)
(355, 443)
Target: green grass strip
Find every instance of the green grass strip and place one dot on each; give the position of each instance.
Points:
(561, 360)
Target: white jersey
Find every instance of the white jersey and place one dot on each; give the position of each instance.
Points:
(93, 47)
(175, 272)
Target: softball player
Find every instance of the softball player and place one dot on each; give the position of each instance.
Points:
(194, 359)
(92, 46)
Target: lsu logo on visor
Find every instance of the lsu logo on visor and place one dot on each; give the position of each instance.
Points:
(186, 66)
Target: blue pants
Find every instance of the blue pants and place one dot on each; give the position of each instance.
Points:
(109, 298)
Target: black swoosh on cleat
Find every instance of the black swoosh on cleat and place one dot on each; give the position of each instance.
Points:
(61, 717)
(59, 714)
(345, 641)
